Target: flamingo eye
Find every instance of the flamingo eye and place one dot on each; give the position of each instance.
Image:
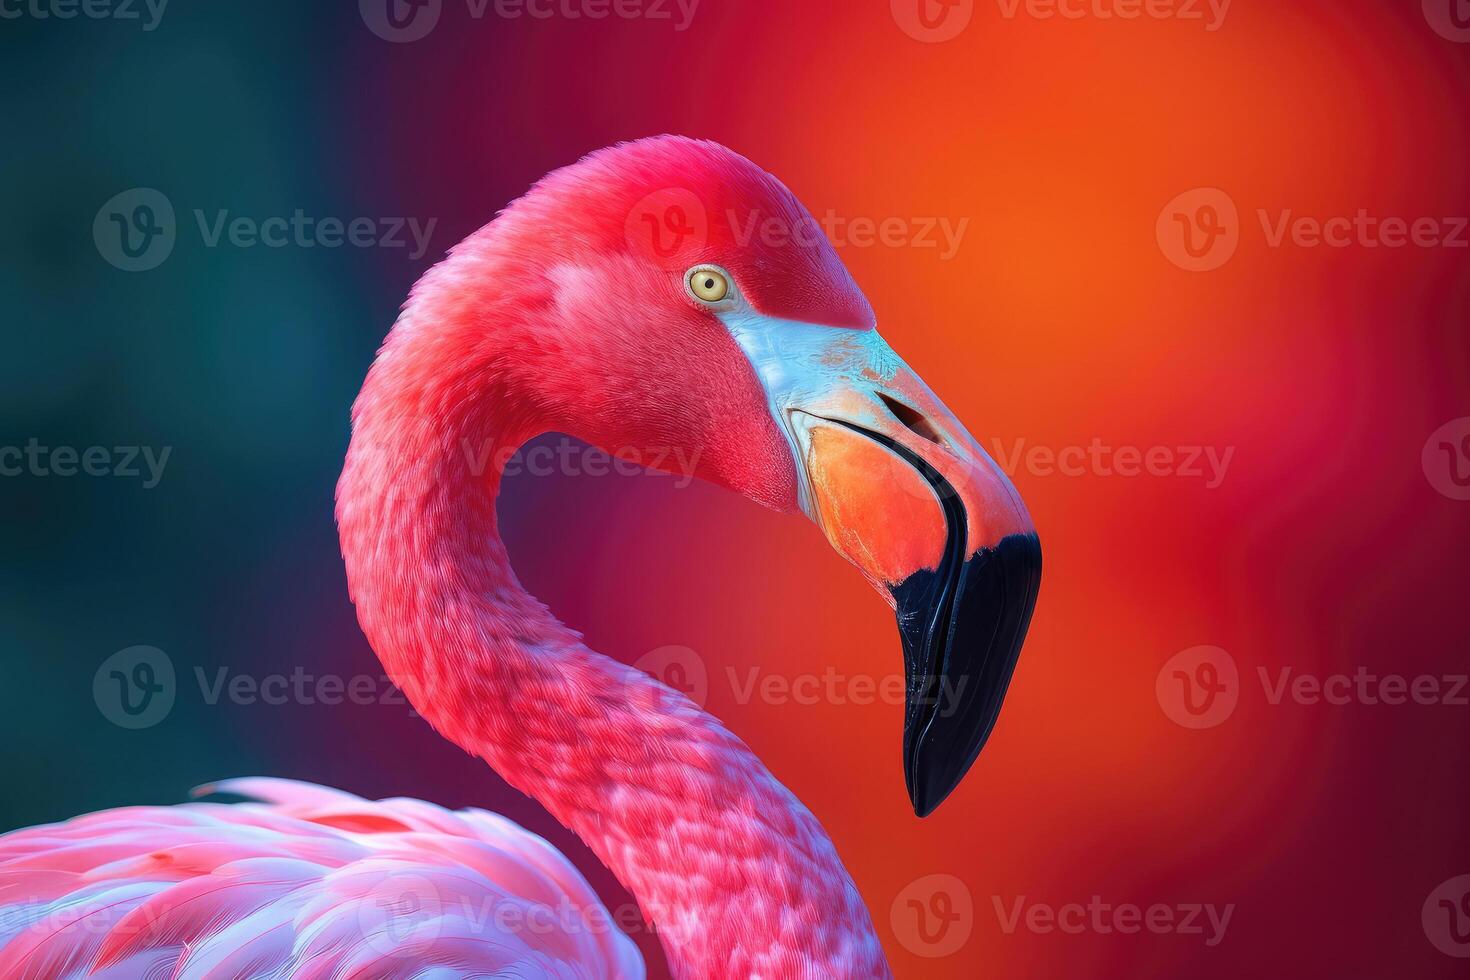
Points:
(709, 285)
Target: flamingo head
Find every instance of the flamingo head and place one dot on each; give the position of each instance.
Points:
(700, 307)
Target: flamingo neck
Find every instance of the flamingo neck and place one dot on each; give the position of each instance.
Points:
(737, 877)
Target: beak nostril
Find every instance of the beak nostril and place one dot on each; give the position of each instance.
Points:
(912, 419)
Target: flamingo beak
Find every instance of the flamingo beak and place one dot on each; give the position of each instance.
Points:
(904, 492)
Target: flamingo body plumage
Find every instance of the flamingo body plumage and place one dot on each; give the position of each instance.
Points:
(311, 882)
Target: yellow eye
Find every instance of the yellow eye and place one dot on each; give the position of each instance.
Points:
(709, 285)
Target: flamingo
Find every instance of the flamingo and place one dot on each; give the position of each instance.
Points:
(617, 301)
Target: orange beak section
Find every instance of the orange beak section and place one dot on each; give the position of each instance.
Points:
(874, 507)
(907, 495)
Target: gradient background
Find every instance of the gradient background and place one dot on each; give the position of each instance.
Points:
(1060, 320)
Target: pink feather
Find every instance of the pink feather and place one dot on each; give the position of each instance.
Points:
(314, 882)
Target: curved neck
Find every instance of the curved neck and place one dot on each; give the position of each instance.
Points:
(735, 874)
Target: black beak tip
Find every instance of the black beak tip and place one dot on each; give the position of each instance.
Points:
(962, 629)
(923, 806)
(934, 781)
